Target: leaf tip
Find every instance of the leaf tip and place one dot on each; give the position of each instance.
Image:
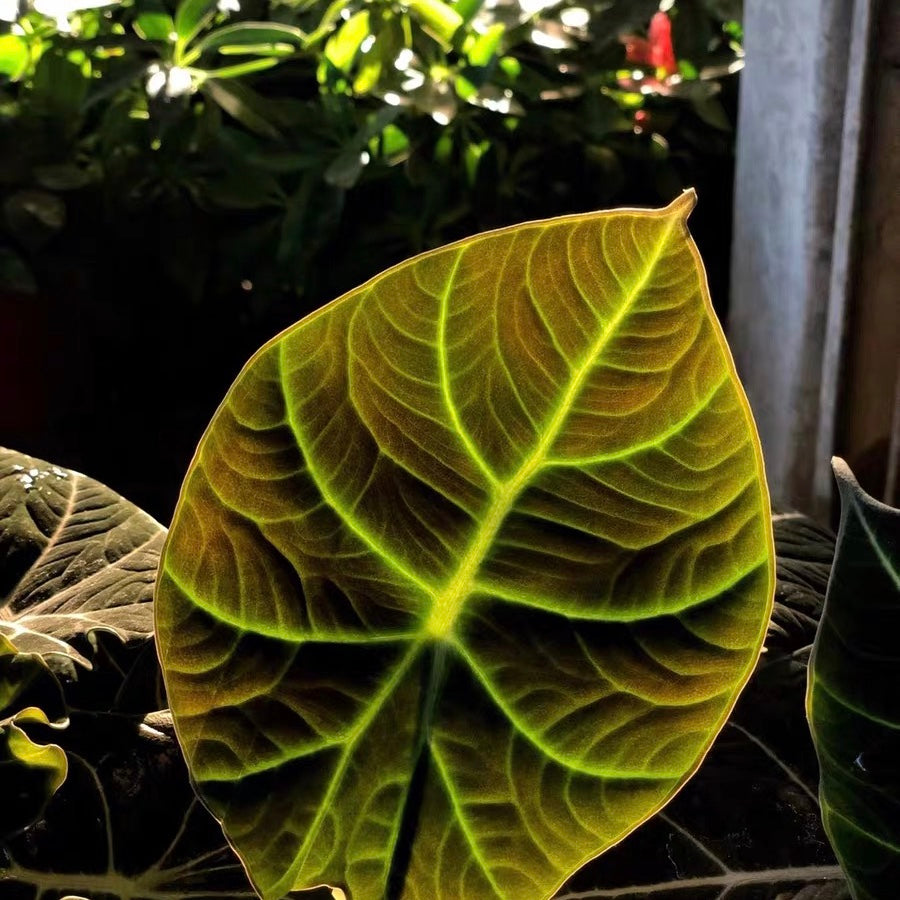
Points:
(683, 204)
(840, 467)
(846, 480)
(849, 488)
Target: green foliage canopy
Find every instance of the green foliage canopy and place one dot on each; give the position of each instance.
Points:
(263, 127)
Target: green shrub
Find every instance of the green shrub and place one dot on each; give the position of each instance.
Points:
(294, 148)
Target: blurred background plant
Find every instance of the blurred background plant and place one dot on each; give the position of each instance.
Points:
(179, 181)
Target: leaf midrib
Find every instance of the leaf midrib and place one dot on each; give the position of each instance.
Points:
(52, 539)
(373, 709)
(448, 603)
(893, 572)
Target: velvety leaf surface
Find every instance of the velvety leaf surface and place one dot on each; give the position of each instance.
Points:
(747, 826)
(470, 566)
(30, 771)
(75, 558)
(127, 796)
(804, 552)
(854, 693)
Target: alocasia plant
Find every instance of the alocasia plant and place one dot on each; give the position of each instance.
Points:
(77, 568)
(470, 566)
(77, 559)
(854, 693)
(125, 824)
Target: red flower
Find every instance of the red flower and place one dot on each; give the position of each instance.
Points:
(662, 53)
(637, 49)
(656, 49)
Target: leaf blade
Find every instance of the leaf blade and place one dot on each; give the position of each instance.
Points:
(852, 708)
(397, 498)
(77, 558)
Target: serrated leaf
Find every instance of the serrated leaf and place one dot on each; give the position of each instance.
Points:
(853, 702)
(75, 558)
(470, 566)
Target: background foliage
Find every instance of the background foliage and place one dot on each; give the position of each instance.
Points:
(180, 182)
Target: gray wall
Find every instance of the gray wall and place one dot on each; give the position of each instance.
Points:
(801, 98)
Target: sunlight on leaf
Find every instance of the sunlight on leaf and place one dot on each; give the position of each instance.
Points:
(77, 558)
(471, 566)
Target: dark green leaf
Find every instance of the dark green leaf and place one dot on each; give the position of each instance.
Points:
(59, 87)
(75, 558)
(347, 167)
(62, 177)
(34, 216)
(242, 188)
(804, 552)
(854, 693)
(243, 104)
(41, 206)
(692, 30)
(713, 113)
(14, 273)
(313, 212)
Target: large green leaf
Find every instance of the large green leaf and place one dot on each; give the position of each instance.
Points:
(748, 825)
(75, 559)
(470, 566)
(854, 693)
